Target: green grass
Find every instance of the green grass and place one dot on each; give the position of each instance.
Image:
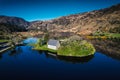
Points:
(77, 49)
(43, 47)
(107, 35)
(4, 40)
(117, 35)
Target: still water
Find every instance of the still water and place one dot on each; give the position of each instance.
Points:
(23, 63)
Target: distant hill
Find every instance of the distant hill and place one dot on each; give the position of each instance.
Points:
(105, 20)
(13, 24)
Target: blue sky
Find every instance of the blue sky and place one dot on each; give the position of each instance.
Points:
(48, 9)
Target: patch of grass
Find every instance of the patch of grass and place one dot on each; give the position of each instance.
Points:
(44, 48)
(117, 35)
(38, 46)
(107, 35)
(4, 40)
(77, 49)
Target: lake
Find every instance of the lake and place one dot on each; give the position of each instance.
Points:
(23, 63)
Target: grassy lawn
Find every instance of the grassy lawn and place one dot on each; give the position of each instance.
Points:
(4, 40)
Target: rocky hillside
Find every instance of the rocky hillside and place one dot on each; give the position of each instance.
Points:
(12, 24)
(105, 20)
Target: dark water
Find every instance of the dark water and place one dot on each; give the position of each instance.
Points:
(23, 63)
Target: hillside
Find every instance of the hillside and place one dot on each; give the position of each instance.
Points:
(105, 20)
(12, 24)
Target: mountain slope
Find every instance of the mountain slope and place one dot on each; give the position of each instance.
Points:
(13, 23)
(105, 20)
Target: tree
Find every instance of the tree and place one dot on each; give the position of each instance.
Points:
(46, 37)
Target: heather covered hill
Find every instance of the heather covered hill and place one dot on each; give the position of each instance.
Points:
(105, 20)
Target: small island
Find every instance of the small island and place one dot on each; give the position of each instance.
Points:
(71, 47)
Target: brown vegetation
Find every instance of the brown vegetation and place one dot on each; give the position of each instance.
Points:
(83, 24)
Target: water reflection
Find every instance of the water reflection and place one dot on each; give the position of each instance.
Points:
(0, 55)
(30, 40)
(16, 51)
(108, 47)
(68, 59)
(112, 55)
(76, 60)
